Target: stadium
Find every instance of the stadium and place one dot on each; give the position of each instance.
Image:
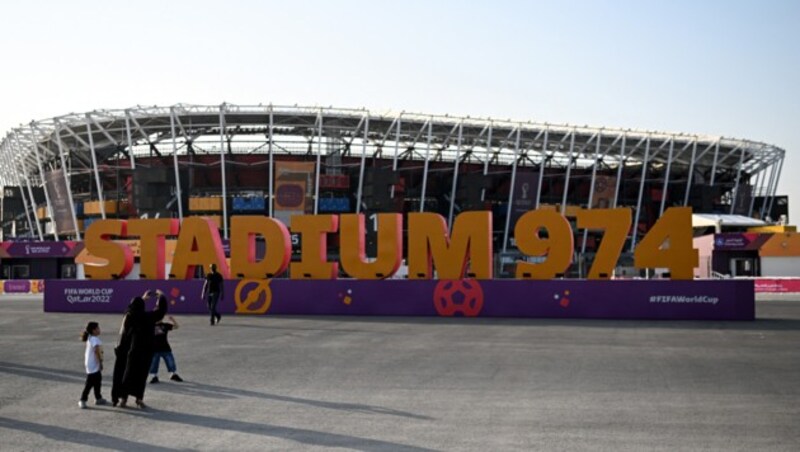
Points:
(216, 161)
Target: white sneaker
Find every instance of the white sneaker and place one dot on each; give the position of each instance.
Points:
(82, 404)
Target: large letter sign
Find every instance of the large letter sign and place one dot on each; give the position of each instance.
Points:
(463, 252)
(668, 244)
(198, 244)
(244, 230)
(390, 246)
(98, 243)
(616, 223)
(151, 234)
(314, 230)
(428, 245)
(557, 247)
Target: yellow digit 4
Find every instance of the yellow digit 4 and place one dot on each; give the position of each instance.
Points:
(616, 223)
(668, 244)
(558, 245)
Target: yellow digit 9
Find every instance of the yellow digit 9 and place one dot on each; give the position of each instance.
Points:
(616, 223)
(558, 245)
(668, 244)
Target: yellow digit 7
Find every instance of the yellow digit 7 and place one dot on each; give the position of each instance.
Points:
(557, 246)
(616, 223)
(668, 244)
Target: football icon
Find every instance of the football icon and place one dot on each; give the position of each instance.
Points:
(463, 296)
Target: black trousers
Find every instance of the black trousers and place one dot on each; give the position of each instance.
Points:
(93, 381)
(213, 299)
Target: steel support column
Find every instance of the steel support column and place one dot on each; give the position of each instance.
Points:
(772, 170)
(99, 184)
(50, 211)
(599, 139)
(664, 190)
(690, 176)
(509, 209)
(455, 178)
(714, 164)
(360, 191)
(541, 169)
(425, 167)
(620, 167)
(569, 172)
(486, 161)
(271, 163)
(222, 170)
(641, 192)
(178, 193)
(67, 181)
(319, 163)
(396, 149)
(775, 187)
(34, 207)
(10, 161)
(130, 139)
(755, 188)
(736, 185)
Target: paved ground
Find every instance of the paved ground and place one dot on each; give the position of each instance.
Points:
(260, 383)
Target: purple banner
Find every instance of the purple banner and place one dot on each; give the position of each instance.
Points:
(740, 241)
(39, 249)
(617, 299)
(17, 286)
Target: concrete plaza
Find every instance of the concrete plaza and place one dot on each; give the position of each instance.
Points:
(357, 383)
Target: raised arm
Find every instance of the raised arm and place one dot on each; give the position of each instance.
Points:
(161, 306)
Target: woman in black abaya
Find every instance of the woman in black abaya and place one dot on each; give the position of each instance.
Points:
(134, 352)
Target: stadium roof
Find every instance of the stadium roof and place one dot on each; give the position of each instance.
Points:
(700, 220)
(125, 133)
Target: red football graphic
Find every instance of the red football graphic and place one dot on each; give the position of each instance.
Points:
(463, 296)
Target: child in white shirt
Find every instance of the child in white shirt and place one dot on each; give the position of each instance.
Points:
(93, 360)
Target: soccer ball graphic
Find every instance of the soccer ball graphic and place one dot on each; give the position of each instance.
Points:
(463, 296)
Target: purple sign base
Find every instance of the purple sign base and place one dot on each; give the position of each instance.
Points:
(577, 299)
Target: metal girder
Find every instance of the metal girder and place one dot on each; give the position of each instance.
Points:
(151, 124)
(102, 129)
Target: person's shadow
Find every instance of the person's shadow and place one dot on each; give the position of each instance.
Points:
(204, 390)
(42, 373)
(81, 437)
(300, 435)
(305, 436)
(221, 392)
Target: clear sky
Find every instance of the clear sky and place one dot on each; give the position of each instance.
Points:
(727, 68)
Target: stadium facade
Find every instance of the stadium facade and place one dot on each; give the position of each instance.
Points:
(60, 174)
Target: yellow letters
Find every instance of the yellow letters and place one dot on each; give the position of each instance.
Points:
(616, 223)
(558, 245)
(428, 244)
(390, 246)
(465, 252)
(198, 244)
(151, 237)
(98, 243)
(244, 230)
(668, 244)
(314, 230)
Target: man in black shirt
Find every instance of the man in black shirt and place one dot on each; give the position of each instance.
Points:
(212, 289)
